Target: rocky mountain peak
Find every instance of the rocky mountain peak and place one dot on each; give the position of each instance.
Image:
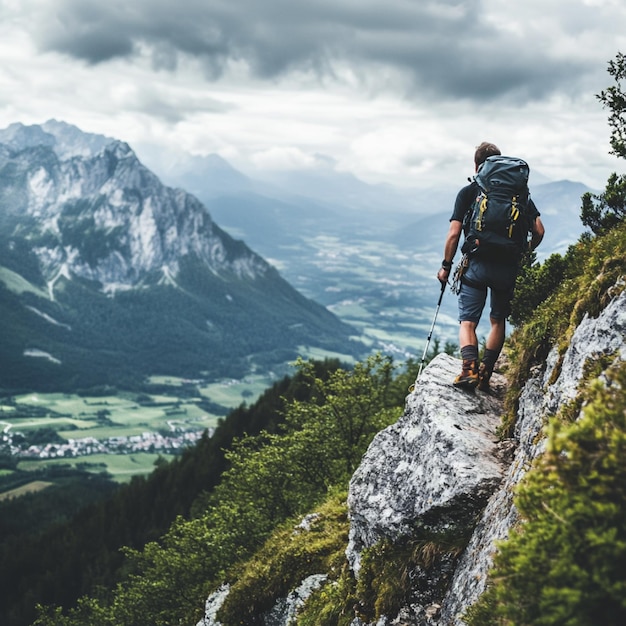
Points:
(65, 139)
(103, 216)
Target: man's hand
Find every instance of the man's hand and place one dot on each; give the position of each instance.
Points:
(442, 275)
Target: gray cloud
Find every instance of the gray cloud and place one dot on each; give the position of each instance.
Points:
(441, 49)
(174, 109)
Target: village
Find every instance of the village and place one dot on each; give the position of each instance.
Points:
(145, 442)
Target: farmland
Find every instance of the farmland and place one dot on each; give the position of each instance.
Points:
(121, 433)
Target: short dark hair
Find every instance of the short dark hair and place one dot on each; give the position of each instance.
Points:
(484, 150)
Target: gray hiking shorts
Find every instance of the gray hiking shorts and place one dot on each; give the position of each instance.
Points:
(480, 277)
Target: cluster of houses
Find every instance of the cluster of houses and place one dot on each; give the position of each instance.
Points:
(146, 442)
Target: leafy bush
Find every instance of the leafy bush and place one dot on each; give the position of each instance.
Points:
(615, 99)
(566, 562)
(604, 211)
(535, 283)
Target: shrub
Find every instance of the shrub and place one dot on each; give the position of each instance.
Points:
(566, 562)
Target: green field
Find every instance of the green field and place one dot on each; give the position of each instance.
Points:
(169, 413)
(74, 416)
(232, 393)
(318, 354)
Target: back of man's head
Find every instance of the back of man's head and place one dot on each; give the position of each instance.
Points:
(484, 150)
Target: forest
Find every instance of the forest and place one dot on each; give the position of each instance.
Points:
(46, 537)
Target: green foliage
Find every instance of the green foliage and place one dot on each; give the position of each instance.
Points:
(332, 605)
(390, 569)
(591, 271)
(288, 557)
(272, 477)
(535, 283)
(49, 567)
(566, 563)
(614, 98)
(604, 211)
(388, 580)
(449, 347)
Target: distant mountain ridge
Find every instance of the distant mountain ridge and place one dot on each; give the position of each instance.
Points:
(83, 220)
(368, 252)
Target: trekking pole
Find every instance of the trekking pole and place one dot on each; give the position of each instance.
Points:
(432, 327)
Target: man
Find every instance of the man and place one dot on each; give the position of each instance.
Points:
(484, 272)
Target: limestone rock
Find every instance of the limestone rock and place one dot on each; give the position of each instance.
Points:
(604, 335)
(435, 468)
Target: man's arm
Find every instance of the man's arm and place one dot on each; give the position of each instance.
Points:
(449, 250)
(538, 232)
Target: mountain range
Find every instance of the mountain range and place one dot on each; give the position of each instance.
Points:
(108, 276)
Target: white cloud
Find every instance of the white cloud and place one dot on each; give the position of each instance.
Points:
(400, 92)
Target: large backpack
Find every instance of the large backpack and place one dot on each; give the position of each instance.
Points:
(498, 222)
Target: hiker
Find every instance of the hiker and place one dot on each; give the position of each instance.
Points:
(485, 265)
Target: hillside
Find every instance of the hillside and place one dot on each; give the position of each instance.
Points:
(457, 473)
(47, 537)
(108, 277)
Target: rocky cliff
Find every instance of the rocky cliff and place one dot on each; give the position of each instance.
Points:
(440, 481)
(102, 215)
(440, 468)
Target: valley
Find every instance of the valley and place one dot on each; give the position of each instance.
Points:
(373, 264)
(120, 433)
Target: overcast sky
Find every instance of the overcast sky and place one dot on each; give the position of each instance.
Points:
(396, 90)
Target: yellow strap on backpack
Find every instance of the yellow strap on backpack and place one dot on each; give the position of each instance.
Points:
(515, 213)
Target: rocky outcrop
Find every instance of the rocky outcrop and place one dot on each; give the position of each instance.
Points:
(429, 475)
(440, 466)
(434, 469)
(441, 470)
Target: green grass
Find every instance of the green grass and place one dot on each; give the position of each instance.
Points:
(63, 410)
(32, 487)
(25, 424)
(318, 354)
(171, 381)
(232, 393)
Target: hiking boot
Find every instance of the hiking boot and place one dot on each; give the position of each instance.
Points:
(468, 378)
(483, 378)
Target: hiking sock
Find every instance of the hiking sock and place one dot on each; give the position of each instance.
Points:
(489, 359)
(469, 353)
